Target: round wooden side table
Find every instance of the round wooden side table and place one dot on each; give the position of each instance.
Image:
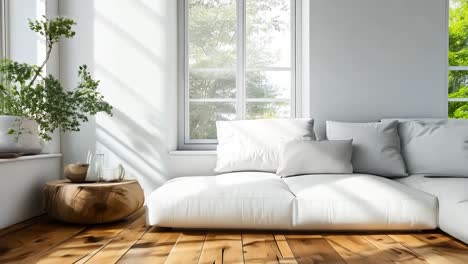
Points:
(92, 203)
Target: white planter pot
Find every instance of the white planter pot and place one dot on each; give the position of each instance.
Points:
(28, 142)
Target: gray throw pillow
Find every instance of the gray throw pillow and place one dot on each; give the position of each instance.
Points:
(299, 157)
(376, 146)
(435, 150)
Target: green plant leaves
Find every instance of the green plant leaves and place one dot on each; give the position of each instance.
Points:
(25, 91)
(53, 29)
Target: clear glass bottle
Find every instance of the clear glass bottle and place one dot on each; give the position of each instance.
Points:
(98, 166)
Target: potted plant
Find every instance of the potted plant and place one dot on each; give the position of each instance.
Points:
(33, 104)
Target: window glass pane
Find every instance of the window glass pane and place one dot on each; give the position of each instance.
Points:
(212, 33)
(458, 110)
(212, 85)
(258, 110)
(458, 84)
(268, 40)
(203, 117)
(458, 33)
(268, 84)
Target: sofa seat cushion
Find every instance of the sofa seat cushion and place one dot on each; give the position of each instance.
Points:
(359, 202)
(452, 194)
(233, 200)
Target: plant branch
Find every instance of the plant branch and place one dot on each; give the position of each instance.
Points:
(39, 70)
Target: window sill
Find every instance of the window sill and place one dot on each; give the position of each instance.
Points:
(32, 157)
(193, 153)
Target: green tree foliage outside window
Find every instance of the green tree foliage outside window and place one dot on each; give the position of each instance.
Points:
(458, 56)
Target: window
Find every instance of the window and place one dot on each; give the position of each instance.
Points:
(238, 63)
(458, 59)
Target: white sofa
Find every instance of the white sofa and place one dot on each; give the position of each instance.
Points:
(353, 201)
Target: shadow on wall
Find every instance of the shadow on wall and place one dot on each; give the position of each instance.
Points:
(133, 52)
(72, 53)
(140, 149)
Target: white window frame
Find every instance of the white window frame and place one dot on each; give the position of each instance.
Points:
(457, 68)
(295, 100)
(3, 28)
(452, 68)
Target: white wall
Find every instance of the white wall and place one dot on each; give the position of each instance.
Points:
(24, 45)
(131, 46)
(371, 59)
(368, 59)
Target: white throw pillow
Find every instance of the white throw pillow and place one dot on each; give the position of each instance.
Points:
(253, 145)
(299, 157)
(437, 150)
(376, 146)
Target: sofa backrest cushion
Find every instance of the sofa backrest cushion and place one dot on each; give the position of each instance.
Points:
(438, 121)
(299, 157)
(434, 149)
(376, 146)
(253, 145)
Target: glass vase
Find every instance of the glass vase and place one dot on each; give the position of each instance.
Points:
(98, 167)
(96, 164)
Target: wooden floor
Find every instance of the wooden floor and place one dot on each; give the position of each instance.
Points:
(42, 240)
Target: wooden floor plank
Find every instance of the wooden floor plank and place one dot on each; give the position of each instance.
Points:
(440, 239)
(118, 246)
(85, 243)
(313, 250)
(394, 250)
(285, 250)
(25, 244)
(187, 248)
(153, 247)
(354, 249)
(450, 250)
(433, 254)
(260, 248)
(22, 225)
(222, 248)
(26, 235)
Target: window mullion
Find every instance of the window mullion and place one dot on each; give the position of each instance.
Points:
(293, 102)
(240, 82)
(2, 21)
(458, 99)
(458, 68)
(186, 72)
(3, 29)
